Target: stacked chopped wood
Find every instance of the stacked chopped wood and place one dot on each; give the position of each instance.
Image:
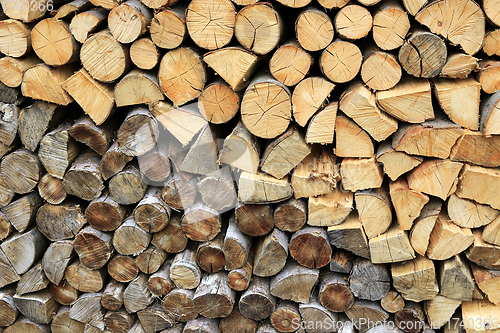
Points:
(248, 166)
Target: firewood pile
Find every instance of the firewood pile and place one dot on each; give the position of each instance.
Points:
(217, 166)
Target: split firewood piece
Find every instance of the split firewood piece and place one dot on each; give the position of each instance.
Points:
(312, 311)
(294, 3)
(256, 302)
(23, 324)
(433, 138)
(168, 27)
(294, 282)
(12, 69)
(333, 4)
(290, 215)
(476, 148)
(151, 213)
(218, 191)
(58, 150)
(341, 261)
(185, 272)
(481, 312)
(128, 186)
(487, 280)
(137, 296)
(172, 238)
(317, 174)
(84, 279)
(56, 259)
(392, 302)
(154, 318)
(210, 256)
(365, 314)
(415, 279)
(353, 22)
(491, 43)
(447, 239)
(137, 87)
(201, 325)
(218, 103)
(411, 318)
(490, 111)
(123, 268)
(310, 247)
(11, 96)
(85, 23)
(234, 64)
(236, 245)
(374, 59)
(83, 179)
(290, 63)
(271, 252)
(452, 273)
(361, 173)
(129, 21)
(119, 321)
(482, 253)
(9, 273)
(352, 140)
(423, 54)
(374, 209)
(179, 305)
(341, 61)
(314, 29)
(87, 309)
(479, 184)
(64, 293)
(5, 226)
(469, 214)
(53, 42)
(277, 159)
(308, 97)
(112, 296)
(321, 128)
(62, 322)
(130, 239)
(334, 292)
(395, 162)
(368, 280)
(159, 283)
(21, 170)
(410, 100)
(435, 177)
(15, 40)
(392, 246)
(104, 213)
(144, 53)
(350, 236)
(408, 203)
(491, 232)
(390, 25)
(241, 150)
(239, 279)
(274, 103)
(23, 250)
(105, 66)
(286, 316)
(213, 297)
(21, 213)
(201, 223)
(6, 193)
(38, 306)
(51, 189)
(95, 137)
(138, 133)
(462, 23)
(258, 28)
(330, 209)
(33, 280)
(94, 247)
(202, 155)
(378, 124)
(459, 66)
(262, 188)
(488, 75)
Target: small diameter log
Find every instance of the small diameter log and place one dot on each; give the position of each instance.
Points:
(184, 272)
(353, 22)
(151, 213)
(334, 292)
(430, 177)
(314, 29)
(352, 140)
(104, 213)
(64, 293)
(370, 69)
(83, 179)
(290, 63)
(12, 69)
(150, 260)
(455, 279)
(395, 162)
(51, 189)
(119, 321)
(21, 251)
(201, 223)
(392, 302)
(130, 239)
(123, 268)
(234, 64)
(350, 236)
(21, 170)
(256, 302)
(236, 322)
(294, 282)
(137, 296)
(85, 23)
(93, 247)
(469, 214)
(112, 296)
(271, 252)
(239, 279)
(97, 138)
(390, 25)
(286, 316)
(153, 319)
(314, 311)
(16, 38)
(241, 150)
(179, 305)
(424, 224)
(411, 318)
(38, 306)
(218, 103)
(310, 247)
(290, 215)
(415, 279)
(21, 213)
(168, 27)
(129, 21)
(105, 67)
(137, 87)
(138, 133)
(83, 278)
(321, 128)
(407, 203)
(62, 322)
(330, 209)
(144, 54)
(24, 324)
(218, 191)
(201, 325)
(392, 246)
(87, 309)
(213, 297)
(113, 161)
(182, 75)
(423, 54)
(374, 209)
(8, 309)
(360, 174)
(159, 283)
(210, 256)
(341, 61)
(172, 238)
(56, 259)
(308, 97)
(33, 280)
(274, 113)
(128, 186)
(368, 280)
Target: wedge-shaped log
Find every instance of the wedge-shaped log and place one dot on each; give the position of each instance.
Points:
(137, 296)
(392, 246)
(37, 306)
(469, 214)
(407, 203)
(415, 279)
(294, 282)
(435, 177)
(351, 140)
(271, 252)
(455, 279)
(423, 226)
(261, 188)
(350, 236)
(374, 209)
(330, 209)
(448, 239)
(361, 174)
(476, 148)
(50, 79)
(179, 305)
(88, 310)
